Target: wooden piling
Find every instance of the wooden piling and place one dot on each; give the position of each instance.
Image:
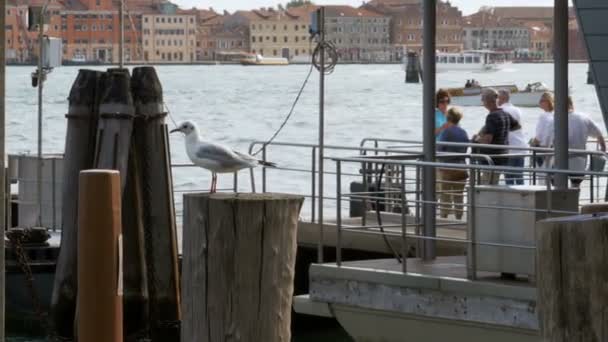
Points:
(238, 266)
(79, 152)
(116, 112)
(572, 258)
(136, 297)
(152, 145)
(412, 70)
(99, 257)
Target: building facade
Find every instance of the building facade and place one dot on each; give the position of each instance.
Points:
(281, 33)
(169, 38)
(359, 35)
(483, 30)
(406, 25)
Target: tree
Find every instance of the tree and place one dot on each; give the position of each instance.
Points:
(298, 3)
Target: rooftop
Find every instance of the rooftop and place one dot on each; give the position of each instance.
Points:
(349, 11)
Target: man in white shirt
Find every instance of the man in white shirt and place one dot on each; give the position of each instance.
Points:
(580, 128)
(516, 138)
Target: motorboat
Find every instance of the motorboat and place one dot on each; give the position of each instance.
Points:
(261, 60)
(471, 95)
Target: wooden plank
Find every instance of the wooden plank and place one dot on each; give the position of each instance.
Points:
(239, 266)
(79, 152)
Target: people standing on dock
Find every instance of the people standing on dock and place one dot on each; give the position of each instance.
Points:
(494, 132)
(544, 128)
(516, 138)
(442, 100)
(452, 181)
(580, 128)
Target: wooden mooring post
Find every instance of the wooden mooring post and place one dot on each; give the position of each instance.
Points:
(572, 264)
(154, 169)
(238, 266)
(100, 260)
(79, 152)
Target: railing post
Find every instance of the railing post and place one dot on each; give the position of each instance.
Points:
(235, 185)
(364, 197)
(417, 221)
(404, 249)
(314, 183)
(472, 236)
(264, 169)
(339, 213)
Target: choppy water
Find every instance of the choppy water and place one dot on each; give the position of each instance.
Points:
(236, 105)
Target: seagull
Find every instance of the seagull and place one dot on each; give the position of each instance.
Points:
(215, 157)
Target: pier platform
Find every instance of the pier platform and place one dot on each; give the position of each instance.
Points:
(432, 302)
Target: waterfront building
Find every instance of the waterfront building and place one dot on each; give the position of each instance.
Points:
(90, 30)
(406, 25)
(169, 37)
(223, 36)
(484, 30)
(541, 41)
(359, 35)
(21, 44)
(281, 32)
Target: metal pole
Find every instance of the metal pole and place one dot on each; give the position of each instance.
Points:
(3, 192)
(560, 42)
(428, 193)
(121, 44)
(321, 127)
(40, 91)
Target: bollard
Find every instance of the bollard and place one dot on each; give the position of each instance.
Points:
(152, 145)
(572, 264)
(238, 266)
(413, 70)
(79, 151)
(99, 257)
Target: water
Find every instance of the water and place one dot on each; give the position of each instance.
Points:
(236, 105)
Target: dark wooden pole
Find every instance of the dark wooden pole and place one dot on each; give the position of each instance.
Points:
(238, 266)
(572, 257)
(153, 155)
(79, 151)
(136, 297)
(116, 112)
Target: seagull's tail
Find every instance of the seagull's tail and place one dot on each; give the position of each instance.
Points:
(266, 163)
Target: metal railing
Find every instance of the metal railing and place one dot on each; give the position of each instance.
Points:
(470, 205)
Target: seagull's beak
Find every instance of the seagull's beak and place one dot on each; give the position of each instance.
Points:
(175, 130)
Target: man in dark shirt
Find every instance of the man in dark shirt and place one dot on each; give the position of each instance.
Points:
(494, 132)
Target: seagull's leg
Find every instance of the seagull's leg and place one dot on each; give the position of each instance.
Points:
(214, 183)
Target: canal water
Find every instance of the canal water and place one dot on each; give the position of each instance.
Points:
(236, 105)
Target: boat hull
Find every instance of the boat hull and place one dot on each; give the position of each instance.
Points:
(523, 99)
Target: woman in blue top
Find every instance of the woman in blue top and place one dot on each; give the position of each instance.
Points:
(442, 100)
(451, 182)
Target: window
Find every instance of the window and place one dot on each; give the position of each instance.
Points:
(145, 19)
(274, 39)
(296, 27)
(181, 20)
(253, 39)
(157, 20)
(286, 39)
(297, 52)
(297, 39)
(274, 52)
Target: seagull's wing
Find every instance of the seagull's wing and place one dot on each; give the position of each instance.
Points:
(253, 160)
(214, 151)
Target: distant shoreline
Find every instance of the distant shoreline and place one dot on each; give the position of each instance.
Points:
(238, 63)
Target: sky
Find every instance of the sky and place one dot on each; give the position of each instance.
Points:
(467, 6)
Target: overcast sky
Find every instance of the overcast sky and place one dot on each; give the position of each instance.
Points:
(467, 6)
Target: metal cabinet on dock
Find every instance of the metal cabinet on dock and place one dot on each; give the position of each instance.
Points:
(23, 172)
(508, 216)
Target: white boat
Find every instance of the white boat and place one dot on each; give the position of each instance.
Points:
(474, 60)
(261, 60)
(78, 59)
(471, 96)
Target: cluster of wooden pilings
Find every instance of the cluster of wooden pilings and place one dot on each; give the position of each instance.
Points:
(116, 122)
